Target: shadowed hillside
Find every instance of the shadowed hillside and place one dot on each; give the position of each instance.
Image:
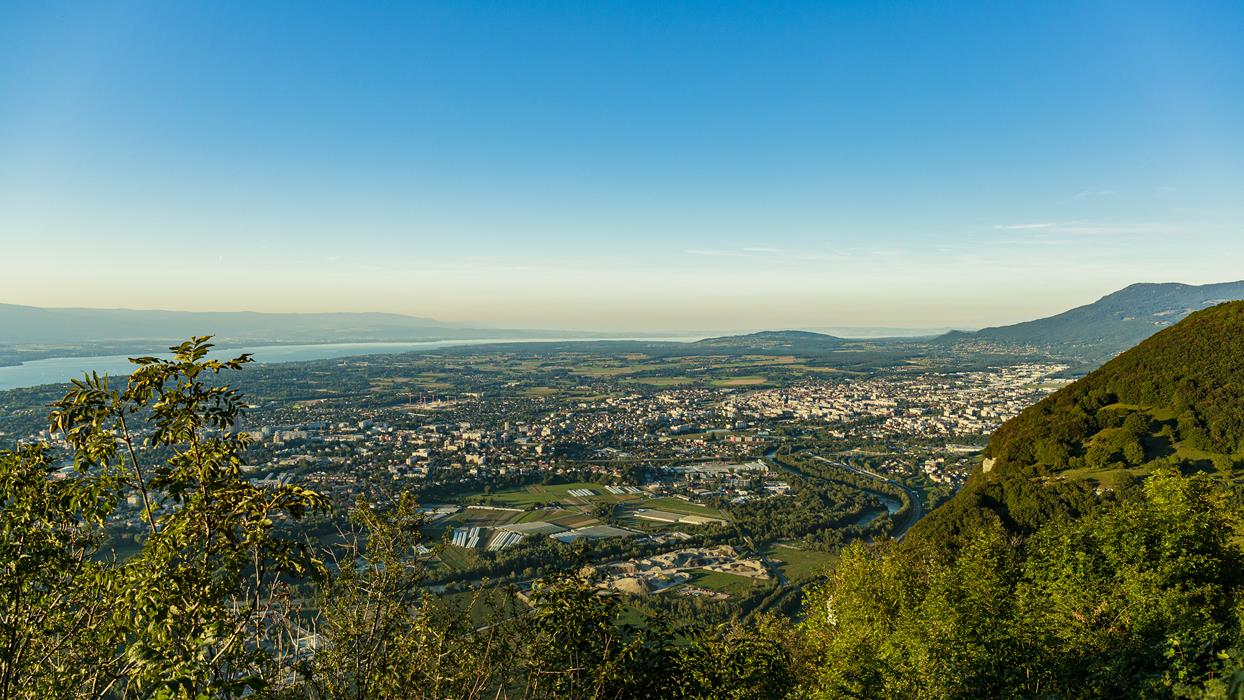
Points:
(1098, 331)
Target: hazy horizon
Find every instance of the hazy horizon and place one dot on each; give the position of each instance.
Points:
(620, 166)
(843, 330)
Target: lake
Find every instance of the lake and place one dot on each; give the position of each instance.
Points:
(55, 370)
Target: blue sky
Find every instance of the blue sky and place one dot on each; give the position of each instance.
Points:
(620, 165)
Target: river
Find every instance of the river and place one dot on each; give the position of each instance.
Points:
(892, 504)
(55, 370)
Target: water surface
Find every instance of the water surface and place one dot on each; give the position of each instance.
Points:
(56, 370)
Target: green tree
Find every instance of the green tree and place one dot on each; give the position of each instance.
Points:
(1142, 599)
(378, 634)
(56, 629)
(189, 614)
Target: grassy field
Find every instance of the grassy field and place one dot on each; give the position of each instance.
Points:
(662, 381)
(723, 583)
(761, 361)
(798, 563)
(457, 557)
(1187, 453)
(574, 520)
(677, 505)
(559, 516)
(739, 381)
(821, 370)
(606, 371)
(546, 515)
(542, 391)
(515, 498)
(1109, 478)
(482, 517)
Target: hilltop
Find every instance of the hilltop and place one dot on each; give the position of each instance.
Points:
(1177, 399)
(1096, 332)
(792, 341)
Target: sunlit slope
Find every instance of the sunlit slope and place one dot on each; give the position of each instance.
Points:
(1177, 398)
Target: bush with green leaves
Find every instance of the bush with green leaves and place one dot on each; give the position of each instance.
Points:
(189, 615)
(1145, 599)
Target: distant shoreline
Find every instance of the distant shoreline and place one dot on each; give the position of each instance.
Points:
(60, 366)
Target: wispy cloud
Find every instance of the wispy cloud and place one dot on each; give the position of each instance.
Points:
(716, 252)
(1093, 194)
(1083, 229)
(771, 254)
(1023, 227)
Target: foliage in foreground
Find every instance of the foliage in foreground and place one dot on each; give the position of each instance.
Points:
(1145, 599)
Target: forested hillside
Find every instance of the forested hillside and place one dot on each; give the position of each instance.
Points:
(1181, 387)
(1177, 399)
(1095, 554)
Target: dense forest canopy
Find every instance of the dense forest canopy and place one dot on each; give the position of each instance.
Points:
(1176, 399)
(1185, 381)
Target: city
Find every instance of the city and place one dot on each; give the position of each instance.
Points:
(636, 456)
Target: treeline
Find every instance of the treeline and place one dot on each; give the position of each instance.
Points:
(813, 506)
(1142, 600)
(808, 466)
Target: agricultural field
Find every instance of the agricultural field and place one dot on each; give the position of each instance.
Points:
(482, 517)
(677, 505)
(542, 494)
(739, 381)
(796, 563)
(663, 381)
(568, 505)
(720, 582)
(606, 371)
(457, 557)
(542, 391)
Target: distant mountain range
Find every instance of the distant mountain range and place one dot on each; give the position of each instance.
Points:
(77, 326)
(1089, 334)
(1098, 331)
